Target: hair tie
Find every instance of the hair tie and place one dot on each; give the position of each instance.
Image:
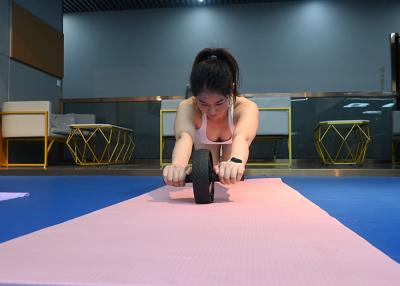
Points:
(213, 57)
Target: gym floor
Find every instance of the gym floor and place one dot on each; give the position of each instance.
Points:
(325, 220)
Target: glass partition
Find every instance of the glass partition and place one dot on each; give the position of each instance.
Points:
(306, 111)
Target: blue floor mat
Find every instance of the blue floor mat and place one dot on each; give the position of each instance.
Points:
(55, 199)
(370, 206)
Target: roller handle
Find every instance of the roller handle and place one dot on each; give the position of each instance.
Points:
(213, 178)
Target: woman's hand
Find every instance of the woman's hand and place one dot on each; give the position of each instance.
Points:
(175, 175)
(229, 172)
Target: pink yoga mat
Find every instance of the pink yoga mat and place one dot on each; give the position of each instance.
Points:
(258, 232)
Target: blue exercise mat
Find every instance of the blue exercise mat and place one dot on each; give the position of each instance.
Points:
(370, 206)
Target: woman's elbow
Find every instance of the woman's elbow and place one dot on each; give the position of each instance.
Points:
(246, 138)
(183, 136)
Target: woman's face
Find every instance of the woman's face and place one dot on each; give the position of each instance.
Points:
(215, 105)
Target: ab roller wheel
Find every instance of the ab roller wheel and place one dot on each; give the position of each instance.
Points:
(202, 176)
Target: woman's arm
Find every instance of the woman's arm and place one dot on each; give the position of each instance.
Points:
(245, 130)
(184, 133)
(175, 173)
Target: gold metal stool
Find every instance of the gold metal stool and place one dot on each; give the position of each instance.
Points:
(100, 144)
(342, 141)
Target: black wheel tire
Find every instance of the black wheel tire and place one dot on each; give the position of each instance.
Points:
(202, 167)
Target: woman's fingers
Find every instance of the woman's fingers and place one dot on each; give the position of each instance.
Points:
(227, 171)
(230, 172)
(174, 175)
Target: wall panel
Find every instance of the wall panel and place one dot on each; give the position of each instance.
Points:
(36, 43)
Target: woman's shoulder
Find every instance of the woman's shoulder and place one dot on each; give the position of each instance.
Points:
(243, 108)
(188, 103)
(244, 103)
(189, 106)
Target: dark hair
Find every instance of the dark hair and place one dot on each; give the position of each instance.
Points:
(215, 70)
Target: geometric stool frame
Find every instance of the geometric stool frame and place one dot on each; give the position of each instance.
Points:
(342, 141)
(100, 144)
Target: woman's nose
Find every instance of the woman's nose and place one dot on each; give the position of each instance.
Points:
(212, 110)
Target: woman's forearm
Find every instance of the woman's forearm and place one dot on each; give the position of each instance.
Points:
(182, 150)
(240, 147)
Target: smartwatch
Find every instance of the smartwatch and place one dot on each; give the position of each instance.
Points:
(235, 160)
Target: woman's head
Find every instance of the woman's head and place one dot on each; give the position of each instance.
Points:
(215, 71)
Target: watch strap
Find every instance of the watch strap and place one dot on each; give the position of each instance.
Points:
(235, 160)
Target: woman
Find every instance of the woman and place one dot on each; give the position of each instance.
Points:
(214, 118)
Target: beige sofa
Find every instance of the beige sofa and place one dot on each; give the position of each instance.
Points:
(34, 121)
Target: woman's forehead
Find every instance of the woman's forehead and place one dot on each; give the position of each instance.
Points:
(210, 96)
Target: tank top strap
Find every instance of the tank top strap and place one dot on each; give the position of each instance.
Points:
(203, 122)
(230, 119)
